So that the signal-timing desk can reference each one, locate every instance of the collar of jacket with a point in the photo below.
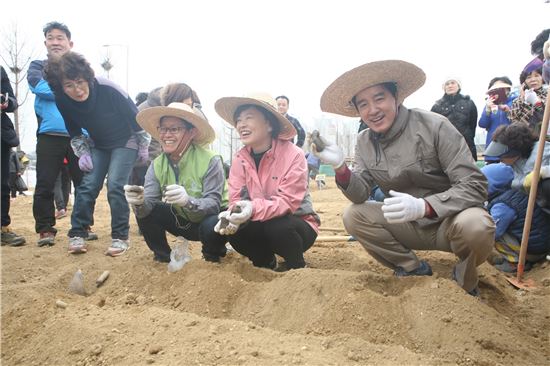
(270, 153)
(396, 128)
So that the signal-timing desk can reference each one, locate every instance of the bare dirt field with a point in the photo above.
(344, 309)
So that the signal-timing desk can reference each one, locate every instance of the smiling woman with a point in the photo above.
(108, 150)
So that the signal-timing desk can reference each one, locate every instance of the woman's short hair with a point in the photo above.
(70, 66)
(517, 136)
(524, 74)
(272, 120)
(177, 93)
(503, 79)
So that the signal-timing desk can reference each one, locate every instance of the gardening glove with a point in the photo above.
(224, 226)
(85, 163)
(332, 154)
(545, 172)
(546, 50)
(403, 207)
(143, 155)
(243, 216)
(531, 97)
(176, 195)
(134, 195)
(143, 141)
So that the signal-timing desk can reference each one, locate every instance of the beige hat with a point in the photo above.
(337, 97)
(149, 120)
(227, 106)
(499, 84)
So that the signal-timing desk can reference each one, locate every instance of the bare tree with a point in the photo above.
(16, 57)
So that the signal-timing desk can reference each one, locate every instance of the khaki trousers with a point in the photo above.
(468, 234)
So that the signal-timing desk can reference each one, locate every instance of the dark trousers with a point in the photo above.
(288, 236)
(62, 188)
(544, 189)
(5, 188)
(50, 152)
(163, 218)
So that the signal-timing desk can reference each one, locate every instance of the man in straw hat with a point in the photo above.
(422, 164)
(268, 183)
(189, 177)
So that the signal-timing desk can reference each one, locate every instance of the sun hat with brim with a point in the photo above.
(499, 84)
(149, 120)
(499, 150)
(227, 106)
(337, 98)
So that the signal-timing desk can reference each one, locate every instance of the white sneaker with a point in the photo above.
(77, 245)
(118, 247)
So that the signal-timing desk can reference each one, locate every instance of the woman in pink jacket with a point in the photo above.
(270, 209)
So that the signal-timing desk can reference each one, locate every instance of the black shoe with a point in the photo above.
(161, 259)
(12, 239)
(211, 258)
(423, 270)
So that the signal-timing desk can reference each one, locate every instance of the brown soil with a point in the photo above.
(344, 309)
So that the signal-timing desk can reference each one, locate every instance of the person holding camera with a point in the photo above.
(8, 104)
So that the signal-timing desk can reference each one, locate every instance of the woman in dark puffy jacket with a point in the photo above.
(460, 110)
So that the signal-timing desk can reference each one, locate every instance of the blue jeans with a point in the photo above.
(116, 164)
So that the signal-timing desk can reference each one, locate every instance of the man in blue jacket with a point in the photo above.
(53, 142)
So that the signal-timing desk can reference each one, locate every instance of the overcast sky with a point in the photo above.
(290, 47)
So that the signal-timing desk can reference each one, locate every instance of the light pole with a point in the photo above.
(107, 60)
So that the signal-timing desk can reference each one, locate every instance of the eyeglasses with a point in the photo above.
(80, 84)
(172, 130)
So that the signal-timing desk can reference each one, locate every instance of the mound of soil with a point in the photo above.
(344, 309)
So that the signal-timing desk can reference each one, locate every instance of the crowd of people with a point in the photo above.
(414, 184)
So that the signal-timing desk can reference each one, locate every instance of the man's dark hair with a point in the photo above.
(70, 66)
(56, 25)
(389, 86)
(538, 43)
(273, 122)
(503, 79)
(283, 97)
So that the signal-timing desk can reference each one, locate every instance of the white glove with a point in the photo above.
(332, 154)
(403, 207)
(226, 228)
(244, 215)
(134, 195)
(546, 49)
(531, 97)
(176, 195)
(545, 171)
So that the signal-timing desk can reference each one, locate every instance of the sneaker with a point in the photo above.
(12, 239)
(47, 238)
(118, 247)
(423, 270)
(59, 214)
(91, 235)
(77, 245)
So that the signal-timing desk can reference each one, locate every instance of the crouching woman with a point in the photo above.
(268, 182)
(185, 186)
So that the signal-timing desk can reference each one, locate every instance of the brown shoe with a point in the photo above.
(47, 238)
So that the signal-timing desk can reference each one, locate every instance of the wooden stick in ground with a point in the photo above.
(333, 238)
(533, 190)
(331, 229)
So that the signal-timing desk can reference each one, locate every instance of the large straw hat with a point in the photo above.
(149, 120)
(227, 106)
(337, 97)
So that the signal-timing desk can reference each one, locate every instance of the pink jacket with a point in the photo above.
(279, 187)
